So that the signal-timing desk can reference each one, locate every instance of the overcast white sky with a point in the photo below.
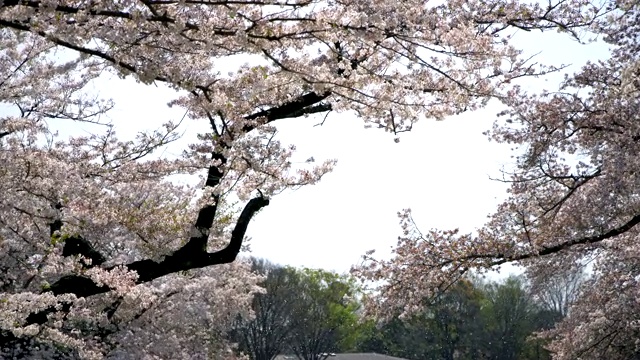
(441, 170)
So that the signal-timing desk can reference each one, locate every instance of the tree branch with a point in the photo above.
(77, 245)
(95, 12)
(300, 106)
(503, 258)
(182, 259)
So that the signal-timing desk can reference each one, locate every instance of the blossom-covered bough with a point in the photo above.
(96, 242)
(573, 201)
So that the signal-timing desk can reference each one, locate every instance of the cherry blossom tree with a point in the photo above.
(92, 231)
(573, 200)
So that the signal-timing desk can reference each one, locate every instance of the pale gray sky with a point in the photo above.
(440, 170)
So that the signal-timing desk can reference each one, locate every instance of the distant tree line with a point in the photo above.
(303, 312)
(308, 313)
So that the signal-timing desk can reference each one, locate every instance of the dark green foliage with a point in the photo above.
(263, 337)
(471, 321)
(306, 312)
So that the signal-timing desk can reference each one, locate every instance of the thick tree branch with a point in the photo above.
(503, 258)
(148, 270)
(96, 12)
(181, 260)
(206, 216)
(305, 104)
(593, 239)
(77, 245)
(300, 106)
(321, 107)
